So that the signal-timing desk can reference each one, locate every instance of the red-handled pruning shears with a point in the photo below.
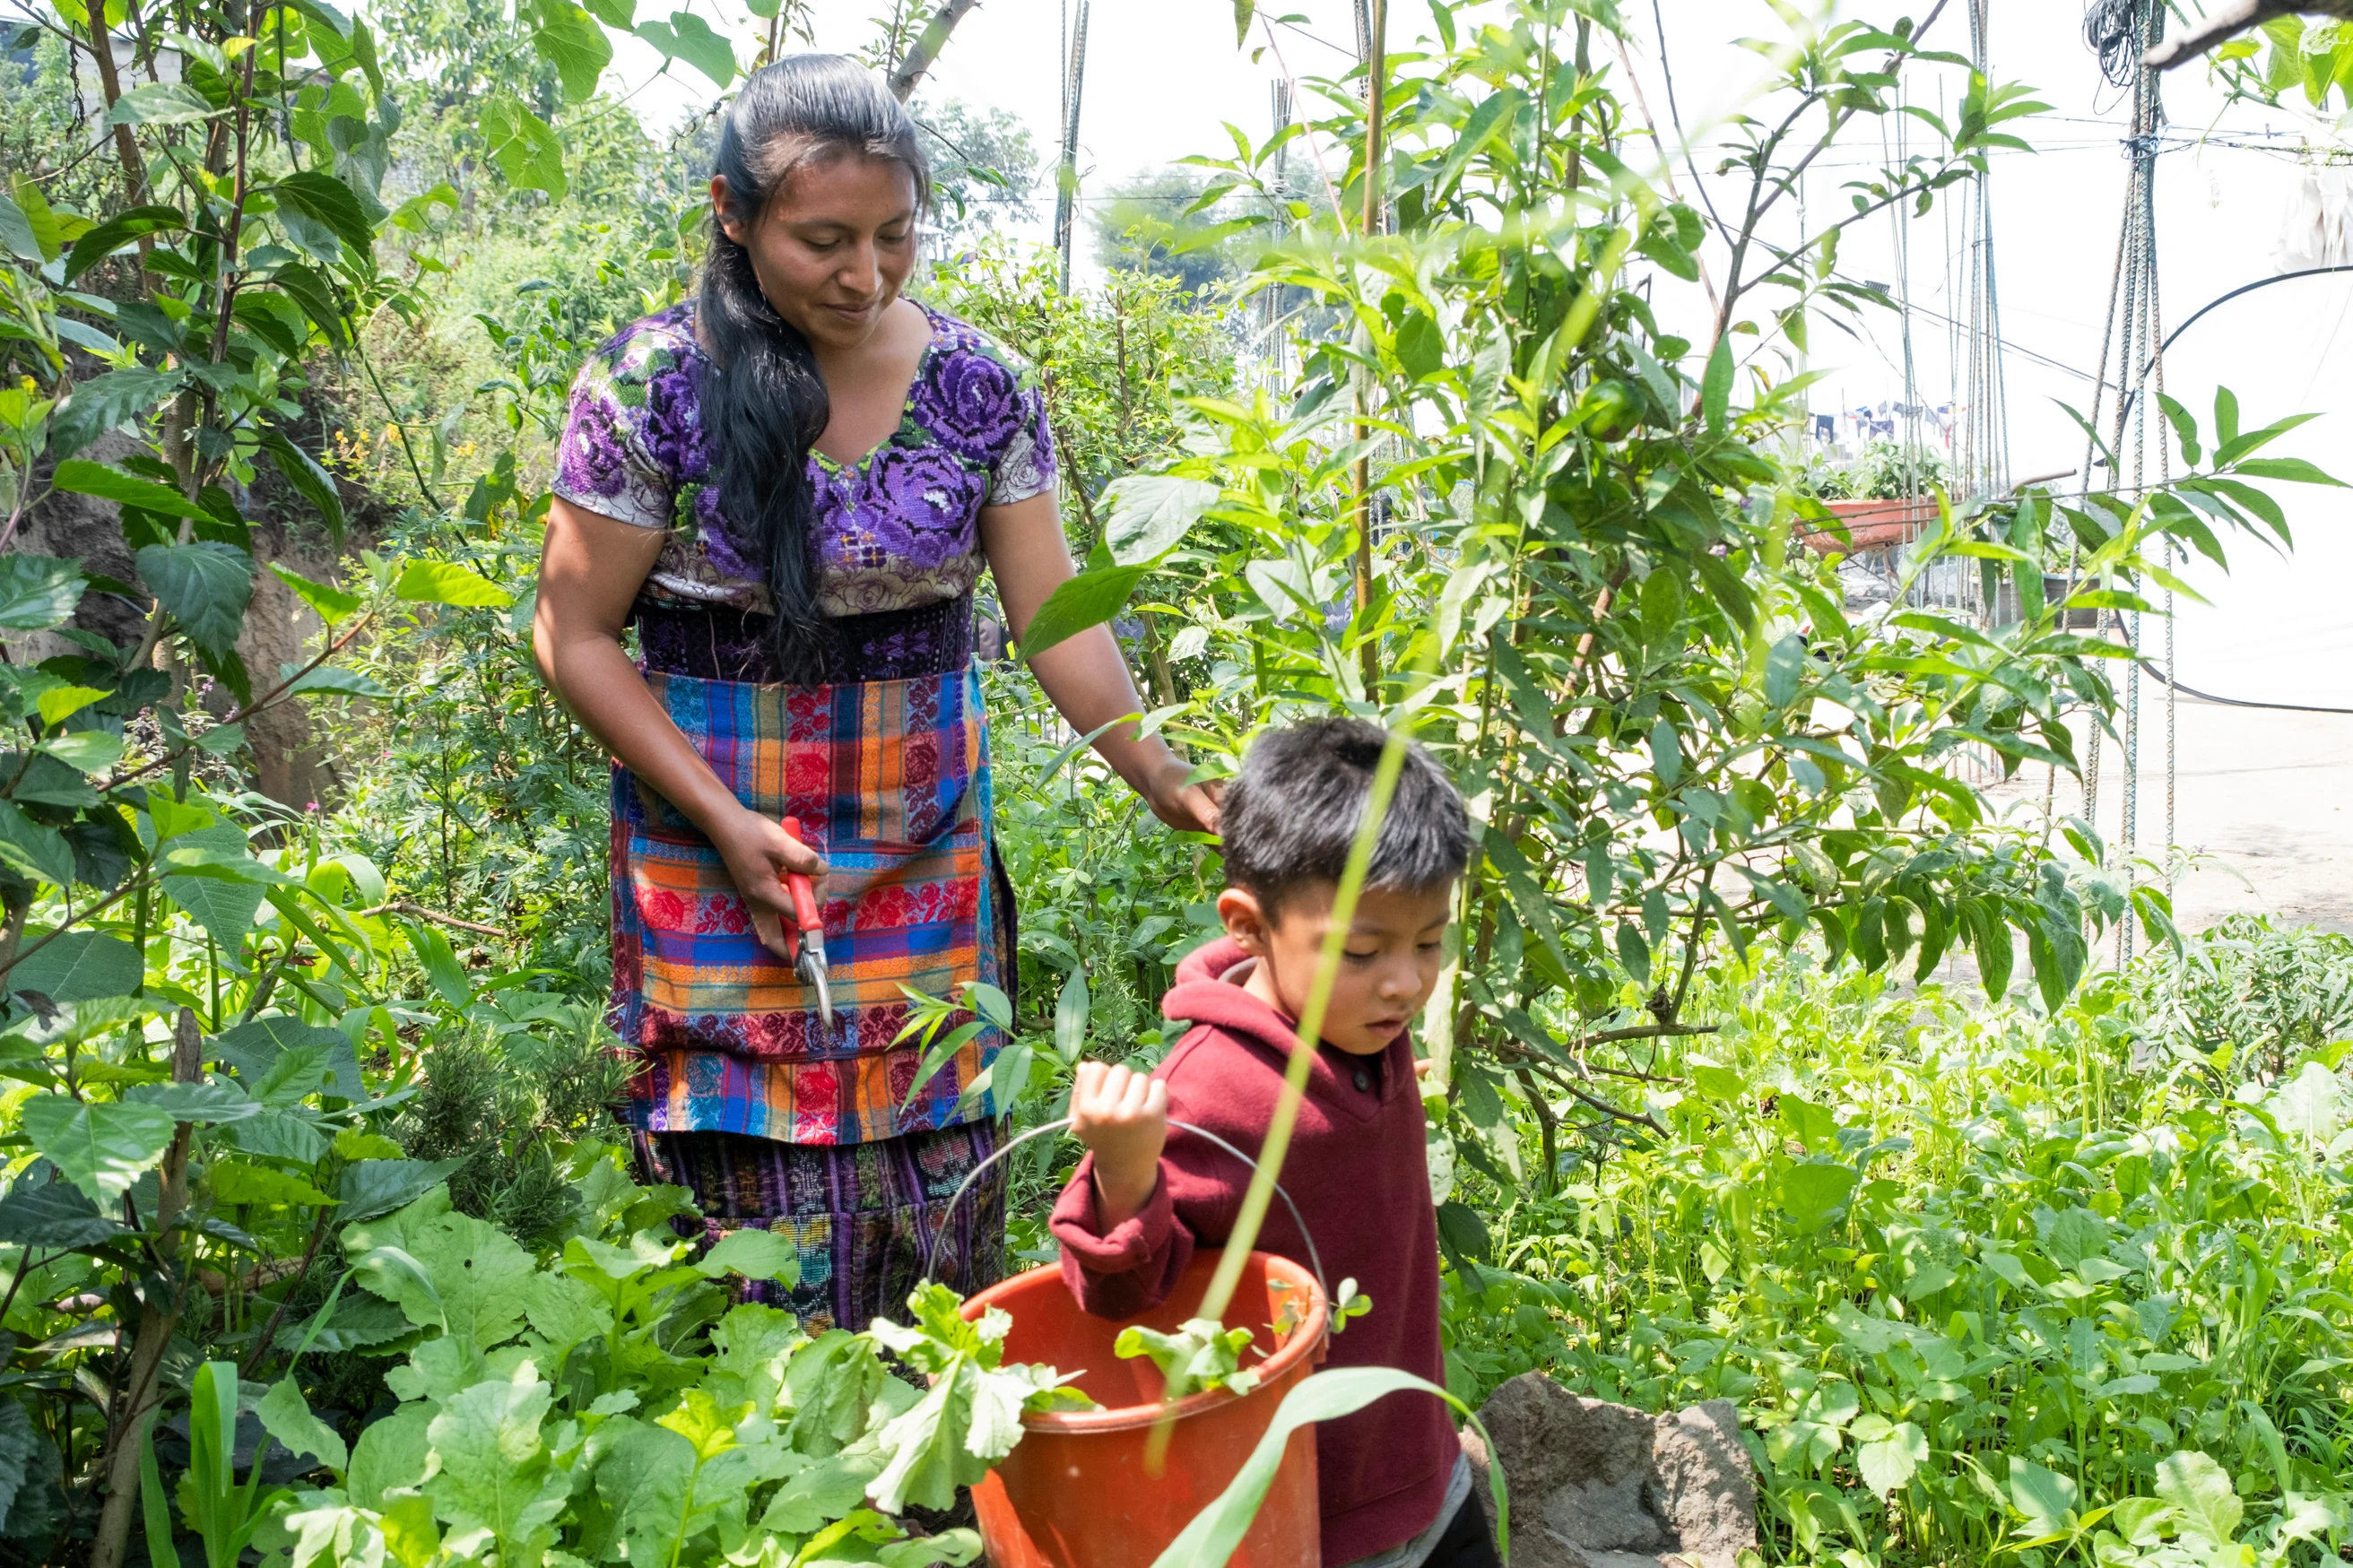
(804, 937)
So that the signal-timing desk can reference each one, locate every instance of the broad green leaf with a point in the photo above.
(277, 1133)
(755, 1254)
(1717, 1082)
(286, 1415)
(1211, 1538)
(827, 1387)
(473, 1274)
(97, 243)
(1886, 1464)
(687, 36)
(1089, 599)
(205, 584)
(447, 583)
(216, 1103)
(223, 908)
(49, 234)
(78, 967)
(21, 1451)
(39, 850)
(494, 1471)
(1785, 663)
(328, 682)
(568, 38)
(645, 1479)
(2201, 1493)
(127, 489)
(104, 402)
(16, 235)
(161, 103)
(2313, 1105)
(817, 1494)
(528, 153)
(1071, 1011)
(1150, 514)
(371, 1188)
(317, 486)
(100, 1146)
(391, 1454)
(1810, 1194)
(2045, 1496)
(91, 751)
(929, 1458)
(1666, 753)
(328, 202)
(447, 975)
(254, 1050)
(564, 1311)
(59, 703)
(38, 591)
(237, 1182)
(45, 1212)
(1716, 387)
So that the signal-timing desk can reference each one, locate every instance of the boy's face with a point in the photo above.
(1389, 962)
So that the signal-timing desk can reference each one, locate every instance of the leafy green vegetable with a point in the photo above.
(1203, 1353)
(971, 1416)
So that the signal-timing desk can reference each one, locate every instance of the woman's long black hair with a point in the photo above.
(766, 405)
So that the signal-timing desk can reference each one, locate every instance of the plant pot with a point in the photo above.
(1872, 524)
(1076, 1493)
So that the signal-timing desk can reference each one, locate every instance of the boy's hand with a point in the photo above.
(1122, 1116)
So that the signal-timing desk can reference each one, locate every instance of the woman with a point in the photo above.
(790, 485)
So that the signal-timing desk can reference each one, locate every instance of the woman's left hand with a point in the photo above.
(1188, 807)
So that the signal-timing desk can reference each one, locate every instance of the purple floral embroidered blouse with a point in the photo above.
(897, 530)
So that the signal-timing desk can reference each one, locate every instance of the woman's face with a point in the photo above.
(834, 245)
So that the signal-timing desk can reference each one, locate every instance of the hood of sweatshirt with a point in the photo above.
(1208, 989)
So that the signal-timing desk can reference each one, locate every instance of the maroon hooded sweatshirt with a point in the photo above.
(1357, 1171)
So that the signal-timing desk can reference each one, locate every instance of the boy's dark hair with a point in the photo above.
(1291, 816)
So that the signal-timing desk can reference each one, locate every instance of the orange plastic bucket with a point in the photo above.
(1074, 1493)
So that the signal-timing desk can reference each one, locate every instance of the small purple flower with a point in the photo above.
(590, 461)
(970, 403)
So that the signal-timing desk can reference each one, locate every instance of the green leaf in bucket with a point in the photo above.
(1202, 1353)
(1210, 1540)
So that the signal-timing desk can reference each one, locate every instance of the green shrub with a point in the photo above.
(1965, 1270)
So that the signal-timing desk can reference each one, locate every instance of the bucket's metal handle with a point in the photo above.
(1314, 1261)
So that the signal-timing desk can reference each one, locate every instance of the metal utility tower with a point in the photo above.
(1066, 179)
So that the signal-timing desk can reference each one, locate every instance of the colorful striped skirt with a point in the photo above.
(864, 1217)
(743, 1095)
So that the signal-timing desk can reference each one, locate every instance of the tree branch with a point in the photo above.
(909, 72)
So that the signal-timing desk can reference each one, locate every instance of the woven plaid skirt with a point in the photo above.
(865, 1218)
(743, 1095)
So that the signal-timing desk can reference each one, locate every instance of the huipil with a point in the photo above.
(1358, 1170)
(740, 1093)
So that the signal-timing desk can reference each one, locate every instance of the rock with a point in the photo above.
(1595, 1485)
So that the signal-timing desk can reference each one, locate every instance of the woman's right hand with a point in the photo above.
(758, 853)
(1122, 1116)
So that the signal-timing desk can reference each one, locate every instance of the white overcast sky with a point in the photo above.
(1163, 76)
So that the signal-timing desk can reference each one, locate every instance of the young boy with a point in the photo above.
(1394, 1491)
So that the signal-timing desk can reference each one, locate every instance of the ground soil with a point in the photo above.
(2260, 802)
